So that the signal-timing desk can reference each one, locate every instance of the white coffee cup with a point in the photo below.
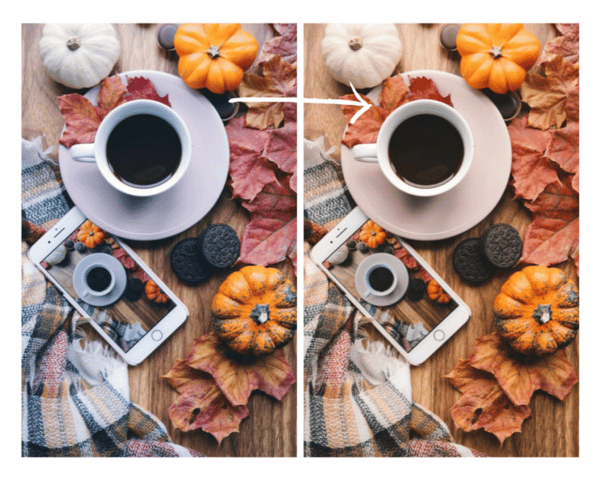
(96, 152)
(378, 152)
(88, 290)
(376, 292)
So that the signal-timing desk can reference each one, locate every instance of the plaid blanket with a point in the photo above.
(357, 398)
(75, 393)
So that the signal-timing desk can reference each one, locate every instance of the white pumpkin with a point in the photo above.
(57, 255)
(361, 54)
(79, 55)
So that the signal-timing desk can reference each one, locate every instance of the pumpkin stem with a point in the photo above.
(213, 51)
(260, 313)
(73, 43)
(355, 43)
(496, 52)
(543, 313)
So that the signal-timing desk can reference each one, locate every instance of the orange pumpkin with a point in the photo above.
(436, 293)
(154, 293)
(89, 234)
(214, 55)
(537, 310)
(372, 234)
(255, 310)
(496, 55)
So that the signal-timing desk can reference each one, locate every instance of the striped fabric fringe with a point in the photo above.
(74, 393)
(357, 398)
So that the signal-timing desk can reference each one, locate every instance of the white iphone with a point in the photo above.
(108, 284)
(392, 285)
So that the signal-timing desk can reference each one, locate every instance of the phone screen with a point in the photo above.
(390, 284)
(108, 285)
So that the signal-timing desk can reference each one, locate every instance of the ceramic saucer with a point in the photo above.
(109, 262)
(462, 207)
(396, 265)
(180, 207)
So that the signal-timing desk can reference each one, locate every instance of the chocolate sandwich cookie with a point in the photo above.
(219, 245)
(134, 289)
(187, 262)
(416, 289)
(502, 245)
(470, 263)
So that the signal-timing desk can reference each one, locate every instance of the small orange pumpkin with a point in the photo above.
(537, 310)
(436, 293)
(89, 234)
(154, 293)
(214, 55)
(496, 55)
(372, 234)
(255, 310)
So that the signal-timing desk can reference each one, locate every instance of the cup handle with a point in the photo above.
(366, 152)
(83, 152)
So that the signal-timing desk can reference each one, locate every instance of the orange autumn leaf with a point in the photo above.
(201, 404)
(563, 149)
(394, 93)
(549, 95)
(236, 375)
(483, 403)
(553, 235)
(519, 375)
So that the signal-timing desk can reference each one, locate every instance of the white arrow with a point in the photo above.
(261, 99)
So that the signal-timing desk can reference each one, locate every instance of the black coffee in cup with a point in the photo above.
(143, 150)
(98, 278)
(426, 150)
(380, 278)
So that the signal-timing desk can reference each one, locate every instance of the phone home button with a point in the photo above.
(157, 335)
(439, 335)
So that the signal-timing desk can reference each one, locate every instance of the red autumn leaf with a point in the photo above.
(278, 80)
(549, 95)
(553, 235)
(484, 404)
(403, 255)
(82, 117)
(250, 171)
(519, 375)
(394, 93)
(563, 149)
(566, 44)
(422, 88)
(238, 376)
(201, 403)
(270, 236)
(123, 257)
(531, 169)
(142, 276)
(284, 45)
(281, 149)
(140, 88)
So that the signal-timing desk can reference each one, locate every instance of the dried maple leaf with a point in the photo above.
(563, 149)
(250, 171)
(284, 45)
(142, 88)
(548, 95)
(270, 236)
(201, 403)
(567, 44)
(82, 117)
(531, 169)
(553, 235)
(394, 93)
(281, 149)
(519, 375)
(278, 80)
(123, 257)
(238, 376)
(484, 404)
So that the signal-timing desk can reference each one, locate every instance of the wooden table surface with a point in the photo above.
(553, 429)
(270, 430)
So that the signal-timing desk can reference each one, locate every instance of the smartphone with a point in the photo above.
(108, 284)
(392, 285)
